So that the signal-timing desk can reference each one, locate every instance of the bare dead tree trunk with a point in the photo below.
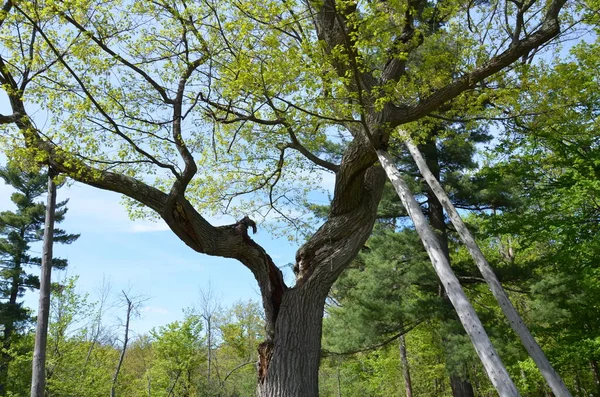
(405, 367)
(209, 347)
(104, 291)
(125, 341)
(209, 305)
(38, 376)
(461, 386)
(552, 378)
(494, 367)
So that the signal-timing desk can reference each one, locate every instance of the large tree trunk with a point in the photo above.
(552, 378)
(291, 360)
(38, 376)
(483, 346)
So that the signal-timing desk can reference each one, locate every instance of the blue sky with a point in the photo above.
(145, 258)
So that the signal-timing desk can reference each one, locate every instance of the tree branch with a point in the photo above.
(117, 130)
(160, 89)
(549, 28)
(9, 119)
(386, 342)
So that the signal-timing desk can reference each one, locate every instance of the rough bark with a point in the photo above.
(461, 387)
(516, 322)
(298, 330)
(38, 376)
(483, 346)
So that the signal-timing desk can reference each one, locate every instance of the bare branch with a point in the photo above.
(386, 342)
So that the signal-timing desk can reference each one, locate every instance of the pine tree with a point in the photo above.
(20, 229)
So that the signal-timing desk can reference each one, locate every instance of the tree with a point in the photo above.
(20, 229)
(552, 138)
(242, 106)
(132, 306)
(241, 333)
(448, 147)
(178, 348)
(38, 376)
(208, 307)
(79, 360)
(382, 297)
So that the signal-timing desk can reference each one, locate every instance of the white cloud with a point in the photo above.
(154, 310)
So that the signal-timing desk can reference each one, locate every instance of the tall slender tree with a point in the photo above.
(38, 373)
(450, 149)
(19, 229)
(554, 380)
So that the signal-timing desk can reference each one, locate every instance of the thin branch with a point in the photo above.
(99, 107)
(308, 154)
(327, 353)
(311, 113)
(548, 29)
(160, 89)
(235, 369)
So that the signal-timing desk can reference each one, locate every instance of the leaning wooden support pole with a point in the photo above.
(535, 351)
(492, 364)
(38, 376)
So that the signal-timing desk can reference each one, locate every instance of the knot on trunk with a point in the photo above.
(243, 224)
